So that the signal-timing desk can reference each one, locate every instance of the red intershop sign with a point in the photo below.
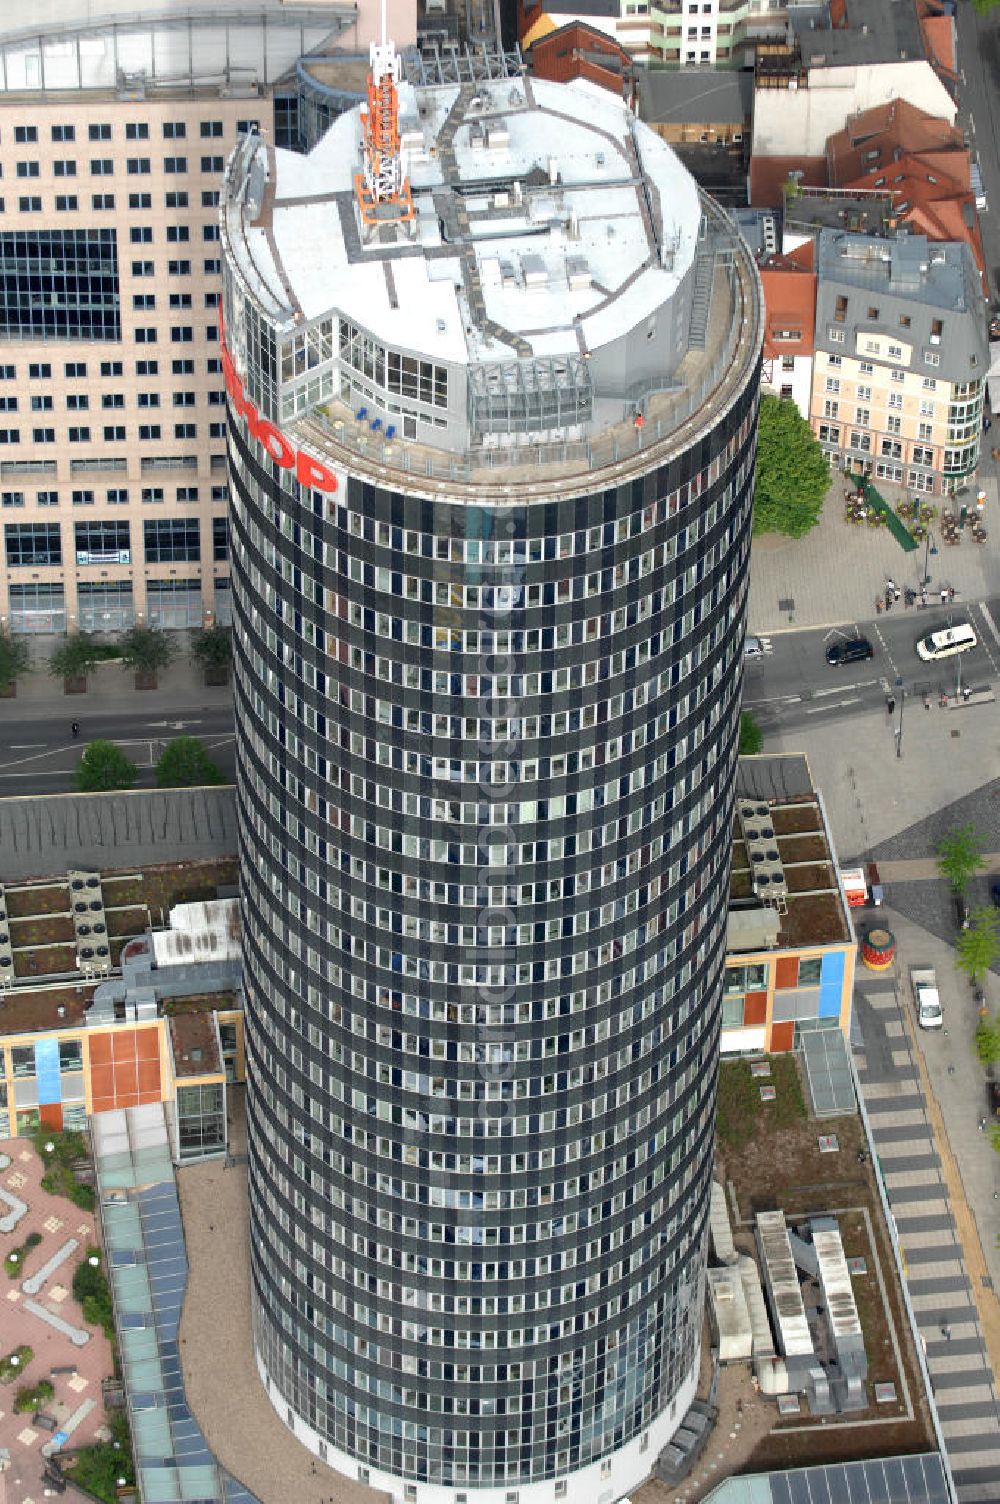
(308, 472)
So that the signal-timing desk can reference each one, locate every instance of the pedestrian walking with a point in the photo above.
(878, 605)
(944, 595)
(890, 705)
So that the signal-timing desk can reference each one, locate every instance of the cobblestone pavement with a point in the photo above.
(834, 573)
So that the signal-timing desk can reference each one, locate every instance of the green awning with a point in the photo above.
(896, 526)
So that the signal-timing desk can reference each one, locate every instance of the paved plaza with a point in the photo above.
(834, 573)
(76, 1367)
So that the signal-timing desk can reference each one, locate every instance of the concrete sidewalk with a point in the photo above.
(834, 573)
(110, 690)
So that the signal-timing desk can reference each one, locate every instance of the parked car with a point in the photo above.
(752, 647)
(946, 642)
(851, 650)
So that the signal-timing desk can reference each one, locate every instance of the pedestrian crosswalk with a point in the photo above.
(903, 1139)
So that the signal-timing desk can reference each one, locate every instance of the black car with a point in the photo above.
(851, 650)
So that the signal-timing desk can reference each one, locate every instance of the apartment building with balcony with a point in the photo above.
(114, 135)
(901, 359)
(681, 33)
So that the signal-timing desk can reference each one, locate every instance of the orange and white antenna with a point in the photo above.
(382, 187)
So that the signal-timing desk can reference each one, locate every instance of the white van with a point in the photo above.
(946, 642)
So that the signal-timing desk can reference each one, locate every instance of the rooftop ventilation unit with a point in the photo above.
(90, 925)
(767, 872)
(577, 273)
(535, 274)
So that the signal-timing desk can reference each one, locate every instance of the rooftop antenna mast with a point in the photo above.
(382, 187)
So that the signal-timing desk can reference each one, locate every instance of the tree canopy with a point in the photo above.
(146, 649)
(14, 659)
(792, 471)
(74, 657)
(212, 647)
(985, 6)
(103, 767)
(185, 764)
(978, 947)
(960, 856)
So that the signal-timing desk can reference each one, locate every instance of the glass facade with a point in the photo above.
(486, 753)
(59, 284)
(201, 1120)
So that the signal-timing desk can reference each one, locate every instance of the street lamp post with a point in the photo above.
(900, 689)
(930, 547)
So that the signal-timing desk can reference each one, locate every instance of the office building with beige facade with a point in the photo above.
(901, 359)
(114, 134)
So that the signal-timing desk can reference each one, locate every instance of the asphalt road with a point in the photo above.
(41, 756)
(794, 686)
(979, 115)
(791, 686)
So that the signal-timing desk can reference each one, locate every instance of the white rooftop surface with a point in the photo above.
(200, 932)
(732, 1316)
(841, 1305)
(591, 215)
(794, 1336)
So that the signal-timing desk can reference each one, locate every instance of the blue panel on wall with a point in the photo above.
(47, 1071)
(831, 984)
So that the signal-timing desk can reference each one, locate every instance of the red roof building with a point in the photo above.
(922, 162)
(581, 51)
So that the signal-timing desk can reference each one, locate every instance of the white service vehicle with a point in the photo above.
(930, 1014)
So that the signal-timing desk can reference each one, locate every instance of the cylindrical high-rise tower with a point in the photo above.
(491, 449)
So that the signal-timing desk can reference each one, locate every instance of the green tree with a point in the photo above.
(987, 1040)
(960, 856)
(104, 766)
(74, 657)
(751, 736)
(185, 764)
(792, 472)
(985, 6)
(212, 647)
(146, 649)
(978, 947)
(14, 659)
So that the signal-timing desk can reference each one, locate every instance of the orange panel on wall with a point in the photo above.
(100, 1048)
(50, 1115)
(126, 1083)
(782, 1037)
(123, 1045)
(755, 1009)
(149, 1081)
(786, 971)
(148, 1044)
(102, 1082)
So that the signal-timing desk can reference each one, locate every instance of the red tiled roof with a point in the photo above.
(789, 304)
(894, 129)
(768, 176)
(938, 32)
